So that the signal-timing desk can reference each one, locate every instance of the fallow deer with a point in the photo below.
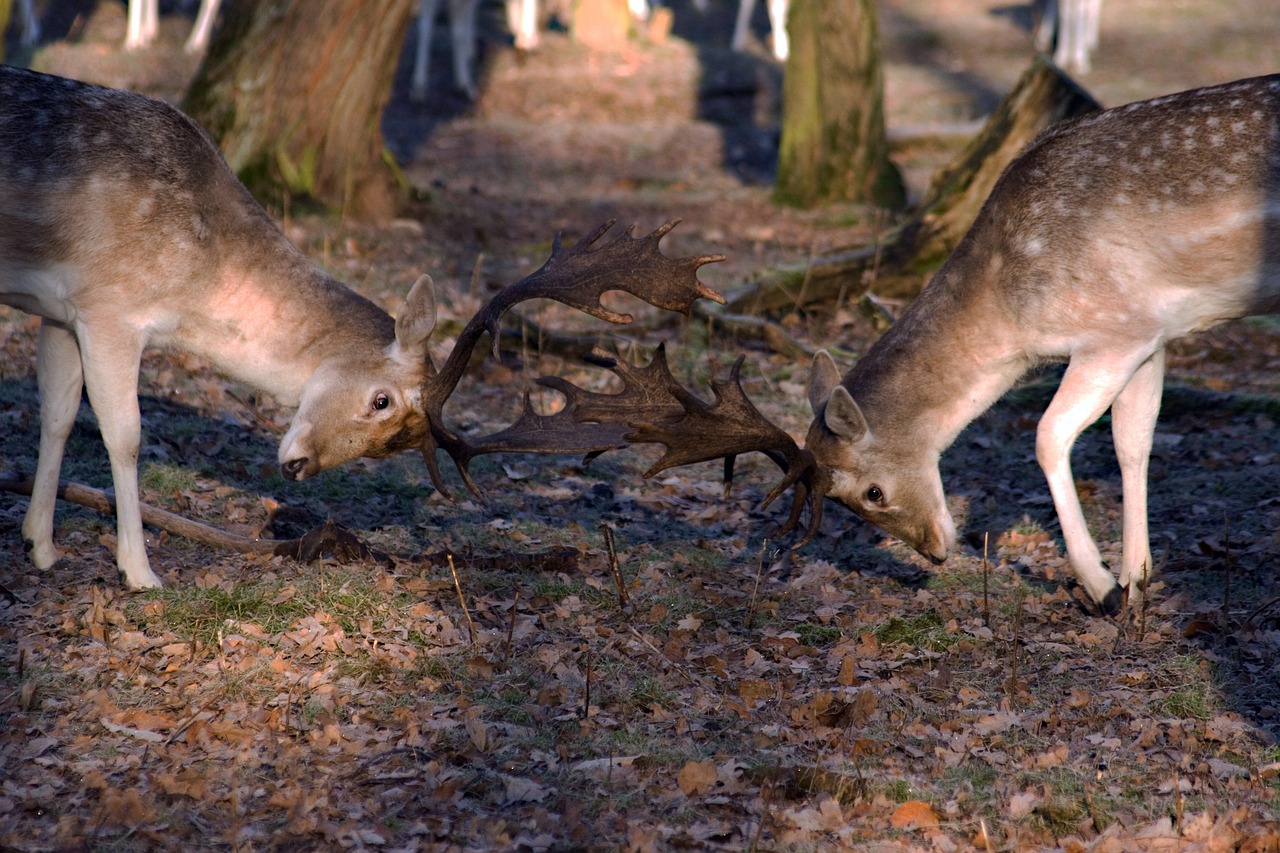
(122, 227)
(1068, 30)
(144, 25)
(1110, 236)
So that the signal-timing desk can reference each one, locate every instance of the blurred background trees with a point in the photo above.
(834, 146)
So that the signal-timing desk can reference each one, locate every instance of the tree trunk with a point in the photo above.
(293, 90)
(834, 146)
(898, 266)
(6, 12)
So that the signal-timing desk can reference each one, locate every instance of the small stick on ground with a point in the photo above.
(1142, 611)
(766, 809)
(1017, 640)
(586, 694)
(1178, 802)
(1226, 582)
(614, 568)
(986, 836)
(511, 626)
(986, 571)
(751, 605)
(471, 626)
(1098, 825)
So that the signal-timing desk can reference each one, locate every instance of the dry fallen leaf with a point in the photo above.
(914, 814)
(696, 777)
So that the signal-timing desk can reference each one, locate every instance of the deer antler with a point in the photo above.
(578, 277)
(659, 410)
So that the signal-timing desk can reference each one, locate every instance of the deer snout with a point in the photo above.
(296, 453)
(937, 540)
(294, 469)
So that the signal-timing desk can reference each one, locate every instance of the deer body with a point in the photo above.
(1107, 238)
(122, 227)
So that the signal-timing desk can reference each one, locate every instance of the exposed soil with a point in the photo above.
(846, 696)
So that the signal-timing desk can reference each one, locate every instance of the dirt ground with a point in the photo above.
(1011, 719)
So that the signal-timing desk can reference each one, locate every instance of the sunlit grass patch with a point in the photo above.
(166, 480)
(353, 600)
(922, 631)
(1189, 690)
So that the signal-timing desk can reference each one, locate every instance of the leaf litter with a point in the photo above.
(739, 696)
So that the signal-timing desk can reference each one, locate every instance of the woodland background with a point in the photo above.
(745, 696)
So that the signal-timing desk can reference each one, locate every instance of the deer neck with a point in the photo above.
(271, 318)
(951, 355)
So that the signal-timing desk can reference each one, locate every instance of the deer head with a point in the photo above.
(365, 404)
(894, 485)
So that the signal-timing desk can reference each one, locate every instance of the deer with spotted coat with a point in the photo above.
(122, 227)
(1110, 236)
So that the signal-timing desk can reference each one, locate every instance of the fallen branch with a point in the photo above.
(328, 538)
(899, 263)
(170, 522)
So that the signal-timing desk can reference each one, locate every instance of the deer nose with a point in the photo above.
(292, 469)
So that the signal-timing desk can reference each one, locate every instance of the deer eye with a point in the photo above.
(875, 495)
(381, 401)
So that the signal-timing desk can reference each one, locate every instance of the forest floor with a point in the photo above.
(847, 695)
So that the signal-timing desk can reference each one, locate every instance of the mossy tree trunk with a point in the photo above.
(834, 146)
(293, 90)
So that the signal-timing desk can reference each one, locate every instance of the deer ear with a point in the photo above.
(843, 417)
(417, 317)
(824, 376)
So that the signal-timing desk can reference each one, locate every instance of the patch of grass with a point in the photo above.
(818, 636)
(922, 631)
(900, 790)
(199, 612)
(1191, 701)
(647, 691)
(1191, 694)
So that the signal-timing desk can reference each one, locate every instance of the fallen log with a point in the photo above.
(897, 266)
(327, 538)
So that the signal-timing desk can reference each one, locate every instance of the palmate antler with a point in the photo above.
(659, 410)
(578, 277)
(652, 407)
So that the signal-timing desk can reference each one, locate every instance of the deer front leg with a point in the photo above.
(59, 378)
(1133, 425)
(111, 357)
(1089, 386)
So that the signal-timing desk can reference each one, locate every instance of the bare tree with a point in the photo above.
(834, 146)
(293, 90)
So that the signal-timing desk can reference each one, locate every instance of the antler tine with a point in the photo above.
(657, 409)
(578, 277)
(732, 426)
(535, 433)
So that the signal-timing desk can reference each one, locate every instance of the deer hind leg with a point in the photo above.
(742, 25)
(1090, 385)
(778, 24)
(59, 378)
(462, 30)
(111, 357)
(1133, 425)
(422, 51)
